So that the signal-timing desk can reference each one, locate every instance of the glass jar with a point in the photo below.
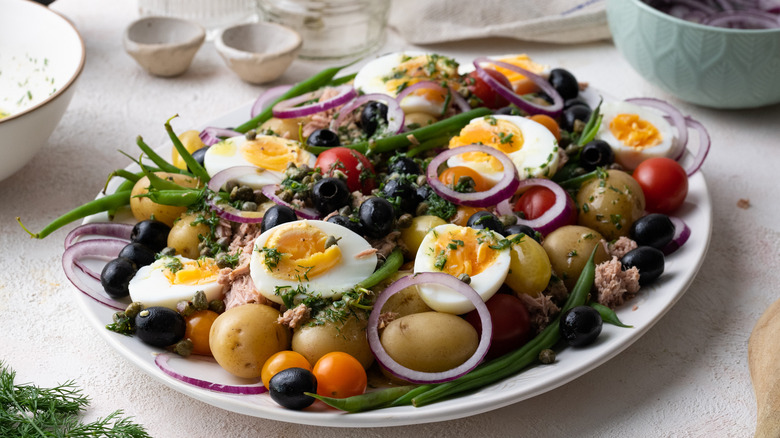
(331, 29)
(211, 14)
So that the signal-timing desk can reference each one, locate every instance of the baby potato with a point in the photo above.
(413, 235)
(611, 203)
(405, 302)
(144, 208)
(287, 128)
(191, 142)
(244, 337)
(419, 119)
(529, 268)
(569, 248)
(430, 341)
(349, 337)
(183, 236)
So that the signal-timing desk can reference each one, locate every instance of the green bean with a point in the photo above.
(342, 80)
(393, 262)
(429, 144)
(156, 159)
(592, 126)
(367, 401)
(105, 203)
(176, 198)
(406, 399)
(577, 181)
(608, 315)
(127, 185)
(192, 164)
(313, 83)
(159, 183)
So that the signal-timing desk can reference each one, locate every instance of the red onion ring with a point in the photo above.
(225, 210)
(267, 98)
(91, 248)
(562, 212)
(108, 229)
(398, 370)
(456, 99)
(704, 145)
(304, 213)
(162, 362)
(678, 120)
(211, 135)
(681, 235)
(288, 109)
(499, 192)
(531, 108)
(395, 115)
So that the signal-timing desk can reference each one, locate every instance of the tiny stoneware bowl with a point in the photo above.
(41, 58)
(705, 65)
(164, 46)
(258, 52)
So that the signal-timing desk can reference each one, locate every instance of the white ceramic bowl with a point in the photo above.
(41, 57)
(164, 46)
(258, 52)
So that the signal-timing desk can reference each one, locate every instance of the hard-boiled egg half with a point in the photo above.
(518, 80)
(269, 153)
(457, 250)
(175, 278)
(635, 133)
(390, 74)
(530, 145)
(315, 258)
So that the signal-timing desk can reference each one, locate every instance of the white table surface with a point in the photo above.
(688, 376)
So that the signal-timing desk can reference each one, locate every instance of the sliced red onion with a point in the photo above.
(681, 235)
(108, 229)
(108, 248)
(678, 120)
(562, 212)
(267, 98)
(745, 19)
(704, 145)
(531, 108)
(398, 370)
(504, 189)
(212, 135)
(302, 212)
(395, 115)
(225, 210)
(162, 362)
(288, 109)
(455, 99)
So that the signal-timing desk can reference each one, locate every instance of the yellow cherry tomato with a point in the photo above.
(280, 362)
(339, 375)
(192, 142)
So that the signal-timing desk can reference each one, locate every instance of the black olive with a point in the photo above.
(573, 113)
(116, 276)
(153, 234)
(564, 83)
(580, 326)
(372, 115)
(649, 261)
(323, 137)
(597, 153)
(159, 326)
(485, 220)
(287, 388)
(525, 229)
(655, 230)
(376, 215)
(579, 100)
(276, 215)
(329, 194)
(200, 155)
(408, 199)
(510, 110)
(346, 222)
(404, 166)
(139, 254)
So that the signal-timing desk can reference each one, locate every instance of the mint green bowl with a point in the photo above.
(709, 66)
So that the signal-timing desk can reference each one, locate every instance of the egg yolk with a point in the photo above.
(496, 133)
(421, 68)
(192, 272)
(272, 153)
(301, 250)
(522, 61)
(464, 251)
(635, 132)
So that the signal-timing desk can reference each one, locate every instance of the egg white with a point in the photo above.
(443, 299)
(330, 284)
(151, 287)
(625, 155)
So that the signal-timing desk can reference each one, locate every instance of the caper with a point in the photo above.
(547, 356)
(421, 180)
(306, 180)
(316, 177)
(133, 309)
(422, 208)
(118, 316)
(223, 260)
(217, 306)
(199, 300)
(249, 206)
(185, 308)
(286, 195)
(404, 221)
(464, 277)
(259, 197)
(332, 240)
(250, 135)
(183, 348)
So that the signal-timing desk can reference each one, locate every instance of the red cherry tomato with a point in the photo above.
(664, 183)
(511, 325)
(359, 171)
(535, 201)
(489, 97)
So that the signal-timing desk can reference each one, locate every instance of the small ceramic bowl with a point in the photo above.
(164, 46)
(258, 52)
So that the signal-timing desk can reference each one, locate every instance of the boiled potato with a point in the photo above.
(611, 203)
(430, 341)
(183, 236)
(407, 301)
(419, 119)
(315, 341)
(413, 235)
(529, 267)
(569, 248)
(287, 128)
(144, 208)
(244, 337)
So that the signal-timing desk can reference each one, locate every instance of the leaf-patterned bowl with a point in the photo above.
(705, 65)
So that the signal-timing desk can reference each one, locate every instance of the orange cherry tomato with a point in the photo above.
(453, 174)
(197, 330)
(462, 214)
(281, 361)
(549, 123)
(526, 86)
(339, 375)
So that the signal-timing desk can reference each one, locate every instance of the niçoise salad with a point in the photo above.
(426, 226)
